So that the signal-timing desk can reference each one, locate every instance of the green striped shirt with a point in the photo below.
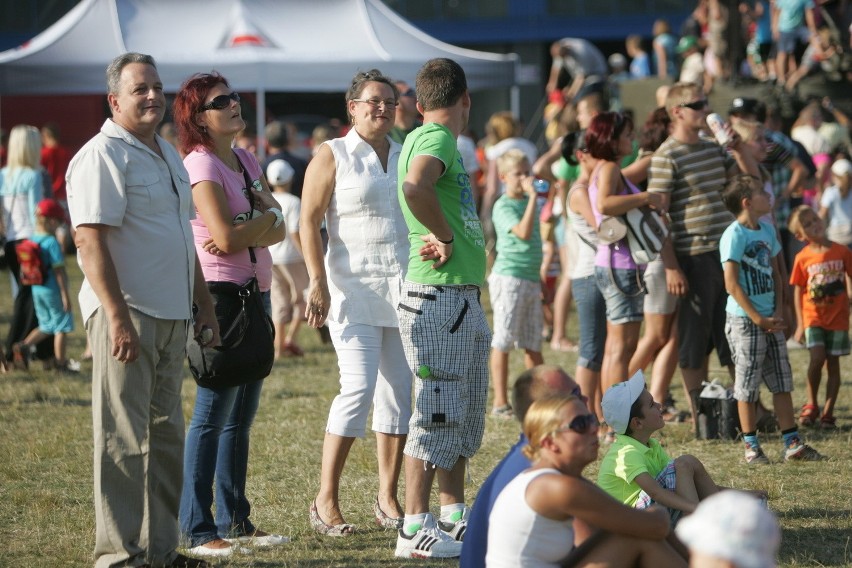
(694, 175)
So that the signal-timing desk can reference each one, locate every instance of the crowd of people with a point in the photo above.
(779, 42)
(382, 240)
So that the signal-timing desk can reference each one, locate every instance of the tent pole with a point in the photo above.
(260, 124)
(515, 100)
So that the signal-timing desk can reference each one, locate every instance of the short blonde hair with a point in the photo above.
(24, 147)
(747, 129)
(510, 159)
(541, 421)
(680, 93)
(794, 223)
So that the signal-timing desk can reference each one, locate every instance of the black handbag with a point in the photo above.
(247, 349)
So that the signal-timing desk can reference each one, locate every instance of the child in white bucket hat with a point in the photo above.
(731, 526)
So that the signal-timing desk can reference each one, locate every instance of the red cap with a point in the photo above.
(50, 208)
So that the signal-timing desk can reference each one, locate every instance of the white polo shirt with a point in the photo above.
(146, 201)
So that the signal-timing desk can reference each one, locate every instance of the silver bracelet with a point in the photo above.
(279, 216)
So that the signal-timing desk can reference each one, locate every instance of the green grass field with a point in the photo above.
(46, 467)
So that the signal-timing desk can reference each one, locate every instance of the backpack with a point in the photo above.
(32, 266)
(717, 413)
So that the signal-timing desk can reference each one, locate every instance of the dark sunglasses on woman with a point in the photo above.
(221, 102)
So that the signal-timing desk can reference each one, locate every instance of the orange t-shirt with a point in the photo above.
(822, 278)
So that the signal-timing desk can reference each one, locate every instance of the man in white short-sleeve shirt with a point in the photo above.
(130, 202)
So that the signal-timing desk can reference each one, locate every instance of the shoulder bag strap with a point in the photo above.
(251, 203)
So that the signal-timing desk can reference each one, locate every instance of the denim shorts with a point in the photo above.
(788, 41)
(591, 315)
(621, 293)
(658, 300)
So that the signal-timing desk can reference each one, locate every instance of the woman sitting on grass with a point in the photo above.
(534, 521)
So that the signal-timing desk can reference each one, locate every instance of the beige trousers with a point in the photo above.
(138, 442)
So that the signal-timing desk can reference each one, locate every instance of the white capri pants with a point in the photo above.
(373, 369)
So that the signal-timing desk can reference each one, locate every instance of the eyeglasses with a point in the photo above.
(221, 102)
(582, 424)
(378, 103)
(700, 104)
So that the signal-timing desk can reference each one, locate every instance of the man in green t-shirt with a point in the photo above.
(441, 321)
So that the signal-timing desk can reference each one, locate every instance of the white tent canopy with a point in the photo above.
(259, 45)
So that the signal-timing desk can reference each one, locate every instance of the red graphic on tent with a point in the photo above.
(244, 32)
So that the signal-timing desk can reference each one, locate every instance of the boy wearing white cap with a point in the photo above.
(636, 469)
(731, 530)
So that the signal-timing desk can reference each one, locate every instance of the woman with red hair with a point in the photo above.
(609, 139)
(236, 219)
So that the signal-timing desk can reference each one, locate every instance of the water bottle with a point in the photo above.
(719, 128)
(541, 186)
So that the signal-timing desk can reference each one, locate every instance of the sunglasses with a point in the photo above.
(700, 104)
(221, 102)
(582, 424)
(408, 93)
(378, 103)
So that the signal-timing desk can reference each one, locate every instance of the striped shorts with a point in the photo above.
(446, 339)
(758, 355)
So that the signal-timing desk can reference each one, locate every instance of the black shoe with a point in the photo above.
(182, 561)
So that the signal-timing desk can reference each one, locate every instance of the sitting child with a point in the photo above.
(636, 470)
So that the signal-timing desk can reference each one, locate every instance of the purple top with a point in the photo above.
(619, 253)
(204, 165)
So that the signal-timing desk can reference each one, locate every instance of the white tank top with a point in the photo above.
(520, 537)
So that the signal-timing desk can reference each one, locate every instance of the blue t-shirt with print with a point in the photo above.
(51, 257)
(753, 250)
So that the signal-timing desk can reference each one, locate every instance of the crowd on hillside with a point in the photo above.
(380, 233)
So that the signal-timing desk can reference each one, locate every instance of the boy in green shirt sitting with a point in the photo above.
(636, 469)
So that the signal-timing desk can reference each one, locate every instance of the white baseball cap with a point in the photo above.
(279, 172)
(841, 167)
(618, 399)
(734, 526)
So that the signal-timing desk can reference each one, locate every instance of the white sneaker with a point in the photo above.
(456, 530)
(428, 542)
(260, 541)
